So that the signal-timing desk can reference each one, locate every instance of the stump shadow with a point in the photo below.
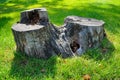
(103, 52)
(24, 67)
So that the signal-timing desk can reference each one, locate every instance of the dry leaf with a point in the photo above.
(86, 77)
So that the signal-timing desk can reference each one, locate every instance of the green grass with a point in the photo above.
(100, 66)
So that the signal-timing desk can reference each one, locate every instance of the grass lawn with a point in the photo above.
(99, 65)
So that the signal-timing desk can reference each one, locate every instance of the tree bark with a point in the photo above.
(86, 32)
(37, 37)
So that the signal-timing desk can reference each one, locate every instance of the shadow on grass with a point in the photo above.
(105, 51)
(24, 67)
(9, 6)
(12, 6)
(10, 9)
(4, 21)
(3, 1)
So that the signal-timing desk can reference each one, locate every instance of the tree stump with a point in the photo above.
(31, 34)
(84, 33)
(37, 37)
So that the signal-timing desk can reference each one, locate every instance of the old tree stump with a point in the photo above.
(36, 36)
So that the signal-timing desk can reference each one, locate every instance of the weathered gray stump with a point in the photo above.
(37, 37)
(84, 33)
(31, 36)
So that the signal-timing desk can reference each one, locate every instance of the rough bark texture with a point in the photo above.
(84, 32)
(37, 37)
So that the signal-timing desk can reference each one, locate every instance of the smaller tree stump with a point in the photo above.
(31, 39)
(85, 33)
